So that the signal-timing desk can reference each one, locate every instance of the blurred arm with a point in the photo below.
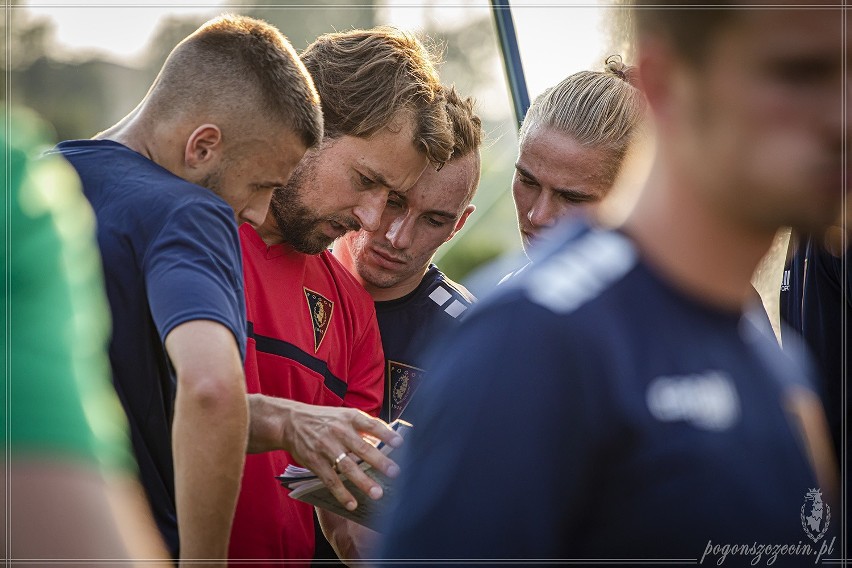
(351, 541)
(79, 513)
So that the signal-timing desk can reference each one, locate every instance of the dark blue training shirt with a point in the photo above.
(815, 302)
(171, 254)
(588, 410)
(408, 325)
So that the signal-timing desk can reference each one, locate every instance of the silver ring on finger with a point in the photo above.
(337, 460)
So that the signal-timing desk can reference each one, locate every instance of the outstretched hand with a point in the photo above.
(316, 436)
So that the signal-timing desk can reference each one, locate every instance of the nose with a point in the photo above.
(400, 232)
(255, 210)
(543, 212)
(369, 209)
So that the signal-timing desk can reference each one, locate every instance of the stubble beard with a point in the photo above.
(297, 224)
(213, 182)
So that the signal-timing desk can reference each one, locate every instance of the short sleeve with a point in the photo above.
(193, 271)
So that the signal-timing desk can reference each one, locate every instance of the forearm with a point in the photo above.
(351, 541)
(135, 521)
(209, 444)
(268, 417)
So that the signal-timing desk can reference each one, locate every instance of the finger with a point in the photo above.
(349, 437)
(367, 452)
(329, 477)
(366, 424)
(360, 479)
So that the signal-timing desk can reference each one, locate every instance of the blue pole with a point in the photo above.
(511, 57)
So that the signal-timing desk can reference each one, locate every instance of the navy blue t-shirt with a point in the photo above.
(408, 325)
(171, 254)
(589, 410)
(815, 300)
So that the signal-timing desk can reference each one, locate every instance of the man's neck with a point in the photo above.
(158, 143)
(395, 292)
(344, 255)
(706, 253)
(269, 232)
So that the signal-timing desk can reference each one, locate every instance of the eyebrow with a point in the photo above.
(379, 178)
(574, 194)
(446, 214)
(437, 212)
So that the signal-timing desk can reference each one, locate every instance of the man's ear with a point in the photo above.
(203, 146)
(462, 220)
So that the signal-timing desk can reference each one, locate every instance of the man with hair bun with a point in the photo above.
(572, 144)
(227, 119)
(312, 329)
(615, 402)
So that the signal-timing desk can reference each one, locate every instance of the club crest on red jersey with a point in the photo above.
(321, 309)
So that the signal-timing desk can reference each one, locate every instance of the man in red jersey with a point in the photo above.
(312, 330)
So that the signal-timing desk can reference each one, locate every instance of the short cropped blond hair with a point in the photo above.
(243, 71)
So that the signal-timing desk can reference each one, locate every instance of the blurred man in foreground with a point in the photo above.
(71, 481)
(624, 407)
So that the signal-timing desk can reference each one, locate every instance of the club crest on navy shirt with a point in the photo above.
(402, 381)
(321, 309)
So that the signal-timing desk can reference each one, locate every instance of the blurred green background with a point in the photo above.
(83, 67)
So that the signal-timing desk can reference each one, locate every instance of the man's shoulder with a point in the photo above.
(514, 274)
(437, 296)
(117, 178)
(103, 163)
(435, 279)
(581, 269)
(458, 291)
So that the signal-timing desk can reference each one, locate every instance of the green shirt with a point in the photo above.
(58, 399)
